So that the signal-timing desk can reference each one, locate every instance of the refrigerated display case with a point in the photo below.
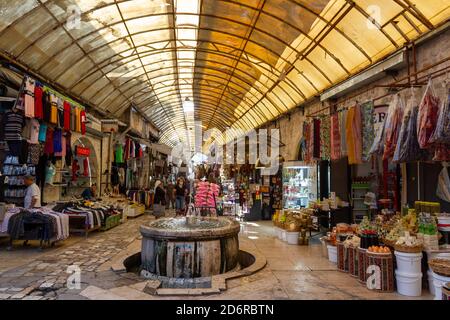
(299, 184)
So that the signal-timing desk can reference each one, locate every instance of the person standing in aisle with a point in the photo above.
(32, 194)
(159, 200)
(180, 192)
(170, 195)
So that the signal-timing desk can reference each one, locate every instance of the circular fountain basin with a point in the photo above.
(190, 247)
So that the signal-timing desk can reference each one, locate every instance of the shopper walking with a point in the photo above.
(159, 200)
(170, 195)
(180, 193)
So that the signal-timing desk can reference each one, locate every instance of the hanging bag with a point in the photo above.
(443, 187)
(427, 117)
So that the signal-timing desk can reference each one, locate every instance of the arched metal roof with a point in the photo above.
(242, 62)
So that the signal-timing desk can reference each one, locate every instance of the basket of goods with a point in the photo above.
(368, 234)
(292, 223)
(342, 257)
(351, 245)
(381, 256)
(440, 266)
(408, 244)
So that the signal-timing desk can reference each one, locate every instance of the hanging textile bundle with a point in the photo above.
(325, 124)
(393, 123)
(441, 135)
(427, 118)
(342, 125)
(368, 129)
(316, 139)
(353, 134)
(443, 187)
(335, 137)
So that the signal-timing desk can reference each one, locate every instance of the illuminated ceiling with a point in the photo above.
(240, 62)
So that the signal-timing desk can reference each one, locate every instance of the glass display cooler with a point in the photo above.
(299, 184)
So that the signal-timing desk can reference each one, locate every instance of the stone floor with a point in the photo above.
(292, 272)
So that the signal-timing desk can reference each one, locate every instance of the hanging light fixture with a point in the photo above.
(188, 105)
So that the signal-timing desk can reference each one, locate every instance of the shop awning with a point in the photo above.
(241, 62)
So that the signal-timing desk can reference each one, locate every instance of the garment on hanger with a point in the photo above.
(49, 145)
(86, 167)
(83, 120)
(75, 168)
(14, 123)
(34, 152)
(316, 137)
(38, 107)
(53, 109)
(368, 129)
(335, 137)
(46, 106)
(67, 116)
(342, 130)
(62, 153)
(50, 172)
(57, 141)
(31, 131)
(325, 142)
(69, 154)
(77, 119)
(118, 153)
(29, 97)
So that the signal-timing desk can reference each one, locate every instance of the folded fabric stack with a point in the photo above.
(206, 194)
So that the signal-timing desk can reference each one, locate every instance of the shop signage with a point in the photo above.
(82, 151)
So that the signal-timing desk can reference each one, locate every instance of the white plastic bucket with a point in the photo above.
(430, 281)
(276, 231)
(438, 282)
(409, 263)
(283, 235)
(324, 247)
(332, 253)
(279, 233)
(409, 284)
(292, 237)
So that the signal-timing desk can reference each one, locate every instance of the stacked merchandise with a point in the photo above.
(38, 224)
(38, 127)
(86, 216)
(205, 197)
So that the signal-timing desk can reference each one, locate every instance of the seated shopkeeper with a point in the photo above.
(89, 193)
(32, 194)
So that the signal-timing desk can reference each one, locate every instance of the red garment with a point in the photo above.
(66, 116)
(75, 168)
(48, 148)
(83, 122)
(127, 149)
(85, 167)
(335, 137)
(38, 109)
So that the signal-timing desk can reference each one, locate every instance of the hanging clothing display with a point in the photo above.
(77, 119)
(29, 97)
(335, 138)
(427, 117)
(47, 106)
(34, 153)
(353, 135)
(68, 149)
(83, 122)
(393, 124)
(14, 123)
(62, 153)
(342, 125)
(57, 141)
(325, 142)
(66, 111)
(316, 138)
(38, 107)
(50, 172)
(53, 109)
(118, 153)
(48, 148)
(368, 129)
(31, 131)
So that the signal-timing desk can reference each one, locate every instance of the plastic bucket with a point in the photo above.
(332, 253)
(430, 281)
(279, 233)
(438, 282)
(283, 235)
(409, 263)
(276, 231)
(292, 237)
(409, 284)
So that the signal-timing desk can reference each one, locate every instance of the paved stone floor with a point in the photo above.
(292, 272)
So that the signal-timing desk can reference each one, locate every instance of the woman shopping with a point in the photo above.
(159, 200)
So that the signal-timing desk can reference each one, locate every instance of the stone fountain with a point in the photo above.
(190, 247)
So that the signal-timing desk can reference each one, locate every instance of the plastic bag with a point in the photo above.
(442, 132)
(393, 123)
(443, 187)
(427, 117)
(403, 135)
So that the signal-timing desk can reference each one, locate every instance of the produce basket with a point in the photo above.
(385, 262)
(342, 257)
(408, 249)
(353, 261)
(440, 266)
(362, 264)
(388, 243)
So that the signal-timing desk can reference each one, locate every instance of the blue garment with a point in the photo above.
(87, 194)
(42, 132)
(57, 141)
(179, 202)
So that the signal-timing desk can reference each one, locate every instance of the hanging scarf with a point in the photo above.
(368, 130)
(342, 126)
(335, 137)
(316, 139)
(325, 124)
(353, 135)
